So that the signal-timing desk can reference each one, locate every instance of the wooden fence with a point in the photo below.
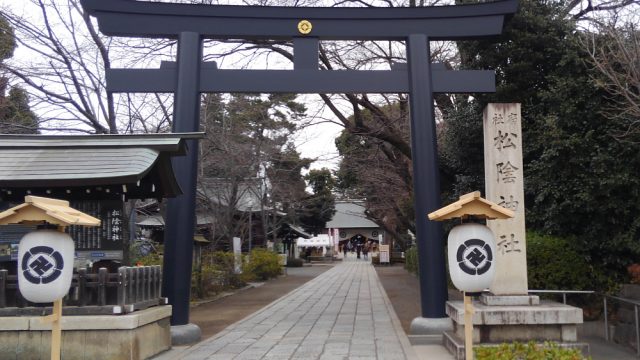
(130, 289)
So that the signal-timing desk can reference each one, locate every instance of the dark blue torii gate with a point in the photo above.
(190, 24)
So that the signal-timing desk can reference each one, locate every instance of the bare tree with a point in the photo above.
(62, 63)
(584, 9)
(386, 171)
(615, 53)
(379, 172)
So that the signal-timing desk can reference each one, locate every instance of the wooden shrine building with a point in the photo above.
(97, 174)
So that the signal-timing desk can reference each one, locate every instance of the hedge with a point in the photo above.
(529, 351)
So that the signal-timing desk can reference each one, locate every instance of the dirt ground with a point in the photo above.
(402, 288)
(213, 317)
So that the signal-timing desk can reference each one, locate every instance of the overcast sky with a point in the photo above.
(316, 141)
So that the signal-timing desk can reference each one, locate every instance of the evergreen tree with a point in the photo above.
(7, 39)
(579, 181)
(319, 207)
(15, 115)
(287, 183)
(461, 150)
(249, 164)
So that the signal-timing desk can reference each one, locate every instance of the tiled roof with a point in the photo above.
(350, 215)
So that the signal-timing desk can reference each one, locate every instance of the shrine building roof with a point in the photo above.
(90, 166)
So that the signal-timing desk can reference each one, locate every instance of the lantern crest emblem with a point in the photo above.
(474, 256)
(41, 265)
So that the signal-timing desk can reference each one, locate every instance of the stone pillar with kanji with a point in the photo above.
(504, 185)
(508, 313)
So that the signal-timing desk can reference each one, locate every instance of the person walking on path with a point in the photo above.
(358, 249)
(365, 251)
(344, 250)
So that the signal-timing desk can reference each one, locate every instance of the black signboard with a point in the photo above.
(105, 241)
(109, 235)
(10, 236)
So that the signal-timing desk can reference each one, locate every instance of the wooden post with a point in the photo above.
(122, 286)
(468, 327)
(3, 287)
(56, 323)
(56, 329)
(82, 285)
(103, 278)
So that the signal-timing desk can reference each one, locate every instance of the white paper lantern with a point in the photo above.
(471, 257)
(45, 265)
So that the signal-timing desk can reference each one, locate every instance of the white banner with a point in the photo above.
(384, 254)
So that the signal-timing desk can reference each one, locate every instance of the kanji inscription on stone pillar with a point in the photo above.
(504, 185)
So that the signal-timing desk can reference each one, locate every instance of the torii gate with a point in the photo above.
(190, 24)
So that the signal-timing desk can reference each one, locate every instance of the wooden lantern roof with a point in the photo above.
(36, 210)
(471, 204)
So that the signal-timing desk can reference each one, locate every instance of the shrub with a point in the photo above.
(293, 262)
(224, 263)
(634, 273)
(151, 258)
(217, 274)
(529, 351)
(553, 263)
(262, 265)
(411, 260)
(206, 282)
(398, 259)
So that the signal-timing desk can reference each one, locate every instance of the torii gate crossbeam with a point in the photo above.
(190, 24)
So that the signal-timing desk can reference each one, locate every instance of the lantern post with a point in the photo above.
(470, 253)
(45, 256)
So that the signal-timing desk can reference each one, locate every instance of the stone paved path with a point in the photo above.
(341, 314)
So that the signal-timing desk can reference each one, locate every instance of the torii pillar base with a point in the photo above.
(427, 331)
(185, 334)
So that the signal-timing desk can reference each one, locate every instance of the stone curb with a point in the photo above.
(395, 321)
(225, 294)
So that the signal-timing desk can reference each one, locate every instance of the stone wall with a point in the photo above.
(625, 329)
(136, 336)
